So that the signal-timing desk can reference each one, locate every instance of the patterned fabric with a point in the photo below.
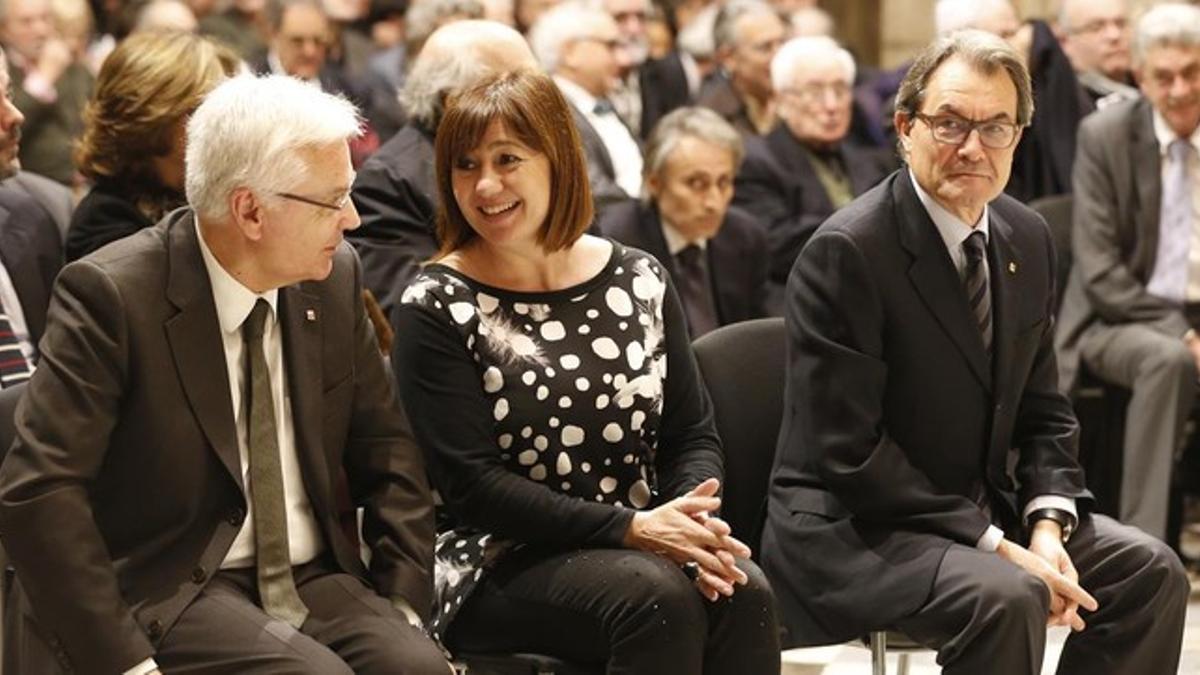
(574, 380)
(14, 367)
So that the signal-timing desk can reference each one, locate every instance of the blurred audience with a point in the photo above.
(1095, 36)
(804, 169)
(166, 15)
(527, 12)
(747, 34)
(716, 255)
(243, 26)
(1133, 299)
(395, 192)
(811, 22)
(135, 133)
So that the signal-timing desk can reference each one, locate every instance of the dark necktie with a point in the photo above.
(603, 107)
(976, 282)
(14, 368)
(276, 586)
(695, 290)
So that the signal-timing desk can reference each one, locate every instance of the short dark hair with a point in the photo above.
(530, 107)
(985, 53)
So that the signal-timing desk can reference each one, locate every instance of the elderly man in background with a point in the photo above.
(395, 189)
(209, 394)
(1133, 299)
(716, 255)
(799, 174)
(1095, 36)
(747, 35)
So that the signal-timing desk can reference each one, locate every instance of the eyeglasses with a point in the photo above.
(335, 206)
(818, 91)
(954, 130)
(1097, 25)
(609, 43)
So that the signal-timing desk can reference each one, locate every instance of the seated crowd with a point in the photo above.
(453, 255)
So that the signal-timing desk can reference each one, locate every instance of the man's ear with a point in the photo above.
(903, 124)
(247, 213)
(653, 186)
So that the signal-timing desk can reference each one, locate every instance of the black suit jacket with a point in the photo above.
(778, 185)
(895, 415)
(664, 88)
(737, 255)
(105, 215)
(123, 492)
(31, 250)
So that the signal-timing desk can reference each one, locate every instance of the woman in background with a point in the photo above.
(549, 376)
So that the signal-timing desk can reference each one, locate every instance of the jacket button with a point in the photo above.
(154, 629)
(199, 575)
(235, 516)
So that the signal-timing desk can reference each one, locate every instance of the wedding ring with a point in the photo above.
(691, 570)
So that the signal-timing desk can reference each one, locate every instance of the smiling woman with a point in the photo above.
(577, 469)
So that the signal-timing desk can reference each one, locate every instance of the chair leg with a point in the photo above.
(902, 666)
(878, 652)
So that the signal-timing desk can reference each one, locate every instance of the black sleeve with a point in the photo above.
(452, 420)
(689, 450)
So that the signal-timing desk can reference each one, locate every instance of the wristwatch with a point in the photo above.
(1065, 520)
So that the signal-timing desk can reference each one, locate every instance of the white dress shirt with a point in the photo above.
(954, 232)
(1165, 135)
(622, 149)
(16, 317)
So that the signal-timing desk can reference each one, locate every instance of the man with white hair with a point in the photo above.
(395, 191)
(747, 35)
(1095, 36)
(579, 48)
(1133, 298)
(210, 395)
(799, 174)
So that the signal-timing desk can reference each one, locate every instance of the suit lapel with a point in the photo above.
(1004, 263)
(300, 318)
(1147, 167)
(18, 258)
(194, 335)
(935, 279)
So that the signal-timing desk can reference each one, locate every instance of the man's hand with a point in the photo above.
(1046, 543)
(1192, 340)
(1066, 595)
(53, 60)
(682, 531)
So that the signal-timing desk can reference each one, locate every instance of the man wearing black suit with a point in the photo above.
(395, 189)
(804, 170)
(926, 477)
(210, 393)
(716, 255)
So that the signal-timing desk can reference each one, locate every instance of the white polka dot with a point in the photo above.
(624, 325)
(564, 402)
(569, 361)
(487, 303)
(462, 312)
(572, 436)
(618, 301)
(493, 381)
(608, 484)
(636, 419)
(526, 432)
(542, 392)
(527, 328)
(593, 313)
(470, 341)
(538, 472)
(566, 485)
(613, 432)
(549, 372)
(520, 308)
(620, 380)
(585, 467)
(563, 465)
(585, 329)
(601, 401)
(639, 494)
(624, 402)
(448, 289)
(523, 345)
(541, 442)
(628, 459)
(528, 377)
(582, 384)
(553, 422)
(605, 348)
(553, 330)
(528, 458)
(646, 287)
(500, 411)
(505, 441)
(635, 355)
(607, 378)
(608, 461)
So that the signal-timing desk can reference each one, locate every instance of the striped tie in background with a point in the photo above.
(13, 366)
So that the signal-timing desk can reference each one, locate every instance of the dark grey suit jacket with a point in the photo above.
(32, 252)
(895, 416)
(1114, 241)
(602, 176)
(123, 491)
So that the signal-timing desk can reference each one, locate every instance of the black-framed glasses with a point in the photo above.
(954, 130)
(334, 206)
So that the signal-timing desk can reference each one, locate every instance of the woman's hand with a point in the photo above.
(682, 531)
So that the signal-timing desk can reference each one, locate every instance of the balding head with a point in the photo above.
(997, 17)
(455, 57)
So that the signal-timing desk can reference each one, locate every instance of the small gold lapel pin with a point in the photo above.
(1012, 268)
(311, 314)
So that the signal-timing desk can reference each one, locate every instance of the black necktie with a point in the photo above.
(975, 280)
(695, 290)
(14, 368)
(603, 107)
(276, 586)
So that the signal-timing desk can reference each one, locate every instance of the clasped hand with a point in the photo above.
(682, 531)
(1048, 560)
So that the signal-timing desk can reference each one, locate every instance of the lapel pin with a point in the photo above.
(1012, 268)
(311, 314)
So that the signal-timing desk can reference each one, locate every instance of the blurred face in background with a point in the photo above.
(630, 16)
(591, 61)
(1095, 36)
(693, 187)
(10, 126)
(758, 36)
(27, 26)
(1170, 77)
(816, 104)
(302, 42)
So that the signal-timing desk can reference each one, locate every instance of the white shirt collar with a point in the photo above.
(676, 242)
(578, 96)
(1165, 135)
(232, 299)
(953, 230)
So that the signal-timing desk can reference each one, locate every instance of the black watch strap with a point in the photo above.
(1064, 518)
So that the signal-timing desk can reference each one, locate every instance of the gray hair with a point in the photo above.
(1064, 14)
(690, 122)
(985, 53)
(796, 53)
(696, 38)
(725, 25)
(249, 131)
(456, 56)
(560, 25)
(276, 9)
(425, 16)
(953, 15)
(1174, 24)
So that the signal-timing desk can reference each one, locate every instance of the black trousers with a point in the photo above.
(635, 612)
(986, 615)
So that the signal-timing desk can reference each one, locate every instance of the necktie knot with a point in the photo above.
(252, 327)
(1179, 150)
(974, 246)
(603, 107)
(689, 255)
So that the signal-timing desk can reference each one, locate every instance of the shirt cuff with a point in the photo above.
(401, 605)
(40, 88)
(1050, 502)
(990, 541)
(143, 668)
